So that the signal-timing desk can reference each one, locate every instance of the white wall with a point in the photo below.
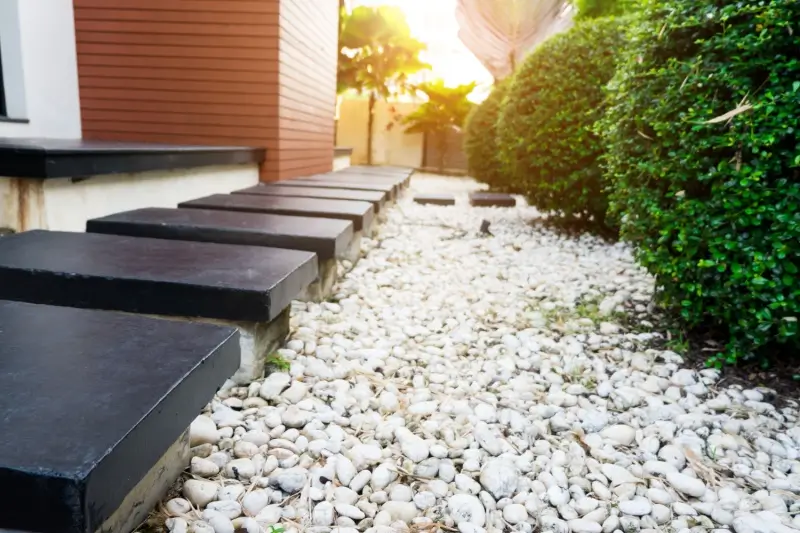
(63, 205)
(341, 162)
(390, 145)
(40, 68)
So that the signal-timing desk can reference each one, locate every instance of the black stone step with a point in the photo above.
(376, 198)
(435, 199)
(358, 185)
(393, 171)
(398, 179)
(364, 179)
(91, 400)
(153, 276)
(403, 174)
(325, 237)
(59, 158)
(359, 213)
(492, 199)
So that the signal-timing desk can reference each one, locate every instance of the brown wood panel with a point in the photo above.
(307, 57)
(208, 6)
(125, 96)
(101, 27)
(252, 72)
(199, 119)
(227, 132)
(214, 109)
(222, 42)
(161, 137)
(232, 89)
(189, 64)
(258, 57)
(193, 119)
(177, 74)
(196, 17)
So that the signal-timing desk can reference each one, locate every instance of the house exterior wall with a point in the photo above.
(65, 205)
(220, 72)
(37, 42)
(391, 145)
(309, 33)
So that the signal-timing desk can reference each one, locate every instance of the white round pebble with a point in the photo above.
(515, 513)
(487, 382)
(200, 493)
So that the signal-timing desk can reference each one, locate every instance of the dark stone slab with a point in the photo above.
(435, 199)
(152, 276)
(359, 213)
(394, 171)
(90, 401)
(325, 237)
(368, 175)
(400, 181)
(403, 174)
(338, 177)
(376, 198)
(359, 184)
(491, 199)
(73, 158)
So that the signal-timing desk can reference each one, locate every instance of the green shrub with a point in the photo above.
(589, 9)
(703, 155)
(547, 145)
(480, 143)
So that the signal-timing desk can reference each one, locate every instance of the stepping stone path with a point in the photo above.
(473, 383)
(377, 198)
(325, 237)
(490, 199)
(193, 279)
(354, 184)
(435, 199)
(359, 213)
(248, 287)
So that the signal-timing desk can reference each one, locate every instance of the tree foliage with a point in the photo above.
(445, 109)
(589, 9)
(376, 55)
(703, 159)
(376, 51)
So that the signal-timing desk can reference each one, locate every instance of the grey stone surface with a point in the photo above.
(435, 199)
(325, 237)
(91, 401)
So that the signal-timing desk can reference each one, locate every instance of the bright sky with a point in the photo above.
(434, 23)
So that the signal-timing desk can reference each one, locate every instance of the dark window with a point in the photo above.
(2, 89)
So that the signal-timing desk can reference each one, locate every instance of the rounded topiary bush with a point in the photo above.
(703, 158)
(545, 135)
(480, 142)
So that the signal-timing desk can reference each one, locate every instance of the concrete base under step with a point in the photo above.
(322, 288)
(151, 489)
(257, 340)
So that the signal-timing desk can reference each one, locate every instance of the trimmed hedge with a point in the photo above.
(703, 156)
(589, 9)
(480, 141)
(547, 145)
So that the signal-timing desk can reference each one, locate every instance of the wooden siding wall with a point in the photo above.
(219, 72)
(309, 33)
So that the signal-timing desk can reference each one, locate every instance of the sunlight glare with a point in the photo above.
(434, 23)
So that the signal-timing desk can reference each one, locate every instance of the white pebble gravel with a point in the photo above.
(511, 381)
